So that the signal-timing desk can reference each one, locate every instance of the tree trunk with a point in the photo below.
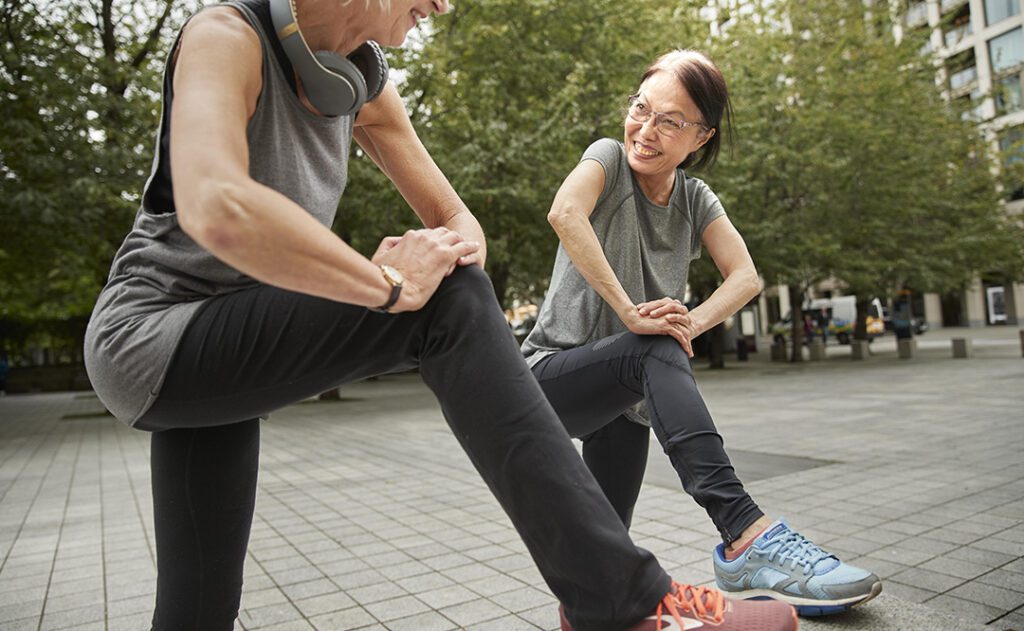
(860, 327)
(499, 272)
(797, 323)
(716, 348)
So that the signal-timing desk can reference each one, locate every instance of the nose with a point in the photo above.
(649, 126)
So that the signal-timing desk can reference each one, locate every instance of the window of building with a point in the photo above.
(1006, 51)
(1008, 93)
(1011, 144)
(962, 71)
(999, 10)
(917, 14)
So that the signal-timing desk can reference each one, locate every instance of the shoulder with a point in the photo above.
(698, 193)
(605, 149)
(222, 28)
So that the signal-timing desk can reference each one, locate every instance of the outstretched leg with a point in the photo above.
(592, 385)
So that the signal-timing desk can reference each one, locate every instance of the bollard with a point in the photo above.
(907, 347)
(859, 349)
(779, 352)
(741, 350)
(817, 351)
(962, 348)
(1021, 342)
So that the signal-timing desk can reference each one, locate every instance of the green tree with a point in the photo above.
(80, 84)
(506, 95)
(851, 165)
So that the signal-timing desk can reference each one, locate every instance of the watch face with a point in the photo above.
(393, 275)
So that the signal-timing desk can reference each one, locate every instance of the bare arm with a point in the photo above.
(247, 225)
(385, 133)
(570, 217)
(741, 283)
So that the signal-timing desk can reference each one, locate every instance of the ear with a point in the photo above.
(706, 138)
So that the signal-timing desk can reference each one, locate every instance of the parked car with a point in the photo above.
(841, 313)
(918, 325)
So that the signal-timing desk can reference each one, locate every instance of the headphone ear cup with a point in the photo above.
(372, 64)
(350, 74)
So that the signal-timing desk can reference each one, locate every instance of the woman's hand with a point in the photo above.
(423, 257)
(662, 306)
(674, 324)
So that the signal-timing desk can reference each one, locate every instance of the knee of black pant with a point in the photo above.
(466, 292)
(465, 306)
(663, 349)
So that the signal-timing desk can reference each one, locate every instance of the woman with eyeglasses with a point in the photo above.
(612, 343)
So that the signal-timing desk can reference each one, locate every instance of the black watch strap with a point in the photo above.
(396, 290)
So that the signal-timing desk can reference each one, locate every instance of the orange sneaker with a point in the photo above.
(688, 607)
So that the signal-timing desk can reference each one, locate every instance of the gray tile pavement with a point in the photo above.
(370, 517)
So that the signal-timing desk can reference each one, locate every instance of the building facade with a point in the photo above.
(979, 50)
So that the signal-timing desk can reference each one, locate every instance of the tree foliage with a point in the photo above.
(506, 94)
(80, 84)
(850, 162)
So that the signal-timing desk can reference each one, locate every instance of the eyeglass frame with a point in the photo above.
(679, 125)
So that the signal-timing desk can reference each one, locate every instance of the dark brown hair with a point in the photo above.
(706, 86)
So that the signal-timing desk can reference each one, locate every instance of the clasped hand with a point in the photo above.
(424, 257)
(665, 316)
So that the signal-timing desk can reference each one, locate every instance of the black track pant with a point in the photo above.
(592, 385)
(250, 352)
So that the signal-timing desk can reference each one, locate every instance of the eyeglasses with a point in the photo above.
(664, 123)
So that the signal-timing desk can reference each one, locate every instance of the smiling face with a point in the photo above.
(651, 152)
(401, 16)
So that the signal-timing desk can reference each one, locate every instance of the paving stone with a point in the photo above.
(998, 597)
(475, 611)
(929, 580)
(427, 621)
(395, 608)
(342, 509)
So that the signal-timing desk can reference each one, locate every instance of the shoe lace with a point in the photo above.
(797, 550)
(705, 603)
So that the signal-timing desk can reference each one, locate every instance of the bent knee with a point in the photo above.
(468, 290)
(662, 348)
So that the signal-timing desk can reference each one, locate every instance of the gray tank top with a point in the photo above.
(160, 277)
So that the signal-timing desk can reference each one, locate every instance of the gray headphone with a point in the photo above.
(334, 85)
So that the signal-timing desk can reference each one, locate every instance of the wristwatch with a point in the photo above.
(393, 278)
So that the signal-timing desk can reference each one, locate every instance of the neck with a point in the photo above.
(657, 186)
(329, 25)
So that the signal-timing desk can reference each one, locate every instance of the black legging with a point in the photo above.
(250, 352)
(592, 385)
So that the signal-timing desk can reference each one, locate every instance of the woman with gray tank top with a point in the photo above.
(231, 298)
(612, 343)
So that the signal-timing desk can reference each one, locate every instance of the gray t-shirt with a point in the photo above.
(160, 277)
(648, 246)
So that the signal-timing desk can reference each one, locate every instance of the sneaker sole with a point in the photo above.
(807, 607)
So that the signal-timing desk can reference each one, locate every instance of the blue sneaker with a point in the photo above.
(784, 565)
